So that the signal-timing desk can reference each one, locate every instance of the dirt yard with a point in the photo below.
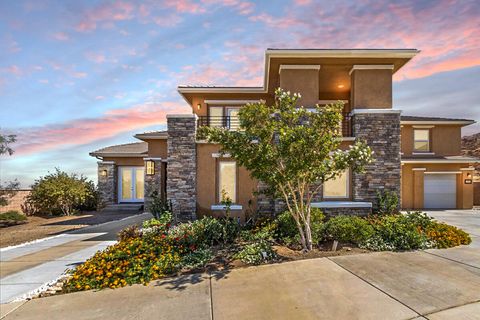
(39, 227)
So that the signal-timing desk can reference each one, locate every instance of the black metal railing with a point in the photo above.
(233, 123)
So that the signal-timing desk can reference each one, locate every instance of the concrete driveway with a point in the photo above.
(432, 284)
(26, 268)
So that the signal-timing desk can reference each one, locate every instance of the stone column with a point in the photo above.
(107, 183)
(182, 165)
(380, 129)
(153, 183)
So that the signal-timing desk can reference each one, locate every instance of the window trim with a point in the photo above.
(348, 189)
(429, 144)
(218, 192)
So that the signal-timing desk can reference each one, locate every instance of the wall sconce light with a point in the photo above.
(150, 164)
(103, 173)
(469, 175)
(199, 106)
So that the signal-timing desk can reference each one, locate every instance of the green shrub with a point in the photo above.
(12, 215)
(397, 232)
(266, 232)
(61, 193)
(128, 233)
(446, 236)
(158, 207)
(207, 231)
(256, 253)
(287, 230)
(197, 259)
(349, 229)
(387, 203)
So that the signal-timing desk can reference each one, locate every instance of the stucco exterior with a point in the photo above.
(413, 183)
(188, 169)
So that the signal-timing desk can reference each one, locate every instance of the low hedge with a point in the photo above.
(411, 231)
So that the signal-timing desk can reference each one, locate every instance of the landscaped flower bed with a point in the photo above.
(158, 250)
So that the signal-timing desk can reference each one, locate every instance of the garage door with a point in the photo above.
(440, 191)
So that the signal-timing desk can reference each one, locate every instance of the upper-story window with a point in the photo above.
(224, 117)
(421, 140)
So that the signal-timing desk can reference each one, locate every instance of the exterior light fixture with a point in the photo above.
(469, 175)
(103, 173)
(199, 106)
(340, 86)
(150, 164)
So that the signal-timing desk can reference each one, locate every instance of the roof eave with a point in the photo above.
(117, 154)
(439, 122)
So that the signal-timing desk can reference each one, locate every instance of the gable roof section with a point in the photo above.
(136, 149)
(435, 120)
(152, 135)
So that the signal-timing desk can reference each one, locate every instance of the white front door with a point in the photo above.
(440, 191)
(130, 184)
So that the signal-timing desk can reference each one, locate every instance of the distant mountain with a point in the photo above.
(471, 147)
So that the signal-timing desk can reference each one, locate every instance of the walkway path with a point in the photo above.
(25, 268)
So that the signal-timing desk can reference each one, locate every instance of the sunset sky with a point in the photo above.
(79, 75)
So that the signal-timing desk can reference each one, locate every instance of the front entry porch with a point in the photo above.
(130, 184)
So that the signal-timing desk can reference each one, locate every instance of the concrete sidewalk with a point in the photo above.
(25, 268)
(412, 285)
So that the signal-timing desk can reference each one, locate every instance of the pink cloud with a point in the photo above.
(61, 36)
(185, 6)
(13, 70)
(302, 2)
(95, 57)
(83, 131)
(107, 13)
(445, 31)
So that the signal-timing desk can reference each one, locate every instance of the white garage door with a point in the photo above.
(440, 191)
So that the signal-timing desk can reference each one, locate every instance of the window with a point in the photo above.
(421, 140)
(227, 180)
(215, 116)
(224, 117)
(338, 187)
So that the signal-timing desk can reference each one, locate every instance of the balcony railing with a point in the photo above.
(233, 123)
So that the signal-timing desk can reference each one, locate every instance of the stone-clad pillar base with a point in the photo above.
(380, 129)
(153, 183)
(182, 165)
(107, 183)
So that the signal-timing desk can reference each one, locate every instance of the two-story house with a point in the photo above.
(417, 158)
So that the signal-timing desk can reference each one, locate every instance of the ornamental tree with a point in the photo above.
(293, 150)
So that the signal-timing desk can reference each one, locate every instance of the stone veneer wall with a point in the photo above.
(107, 185)
(381, 131)
(152, 182)
(182, 165)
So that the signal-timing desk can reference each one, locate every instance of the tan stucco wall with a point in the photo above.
(121, 161)
(207, 183)
(157, 148)
(412, 184)
(371, 89)
(445, 140)
(303, 81)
